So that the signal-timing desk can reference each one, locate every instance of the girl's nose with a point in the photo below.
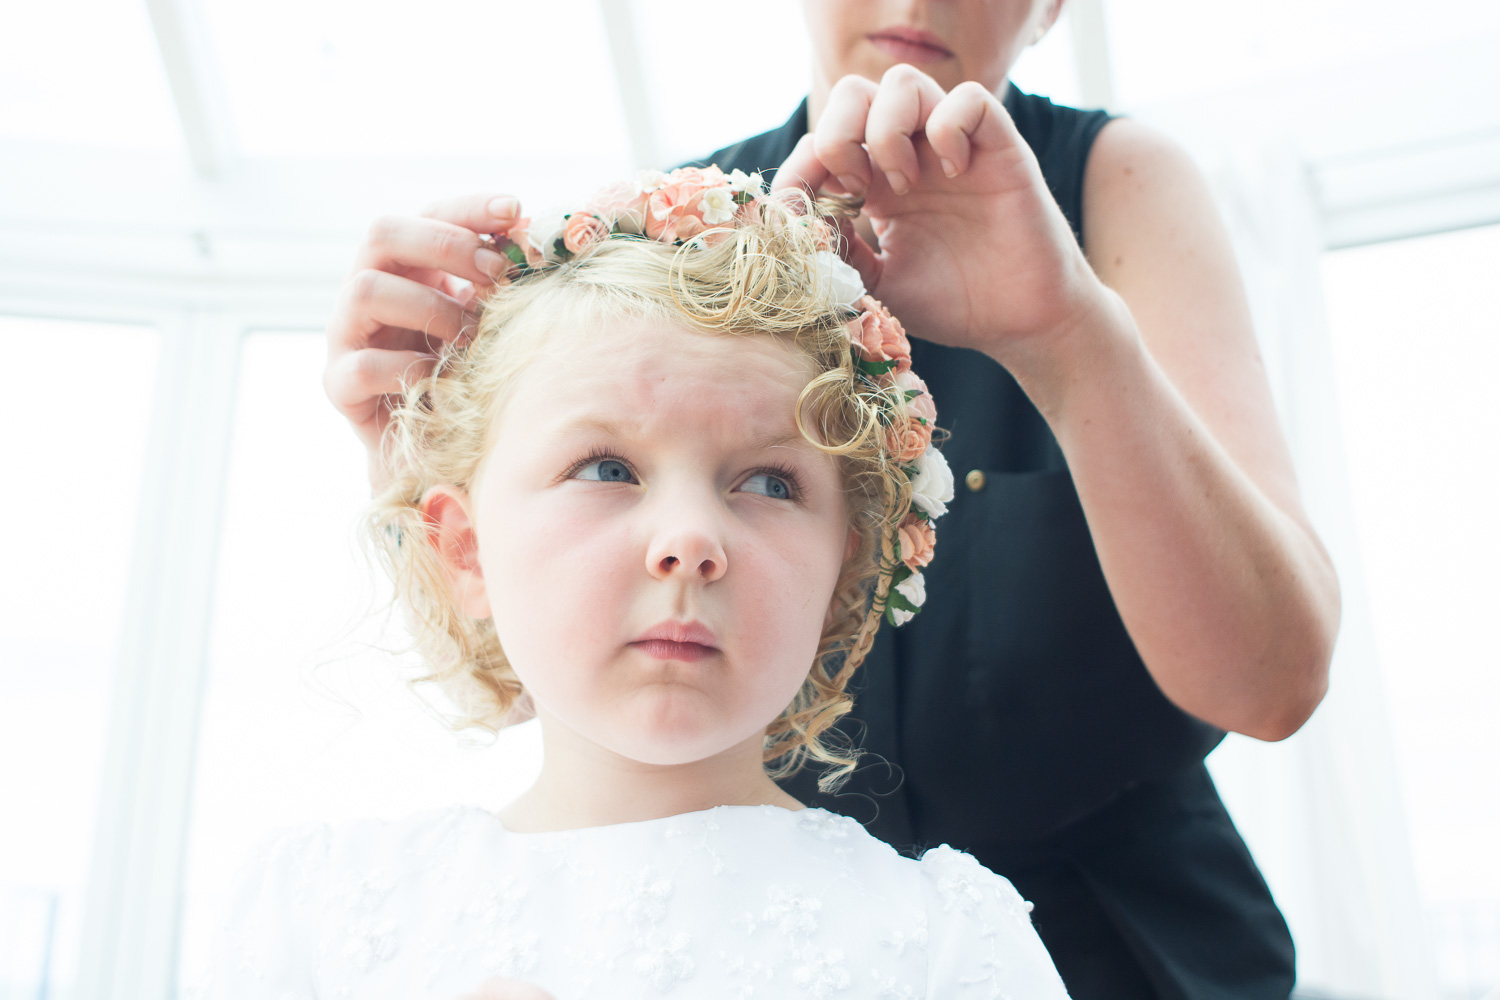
(686, 549)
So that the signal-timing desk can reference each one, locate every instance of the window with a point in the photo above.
(73, 448)
(1413, 325)
(305, 716)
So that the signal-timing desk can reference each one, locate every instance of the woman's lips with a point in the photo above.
(910, 46)
(666, 649)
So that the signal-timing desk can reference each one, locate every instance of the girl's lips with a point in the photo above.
(910, 46)
(666, 649)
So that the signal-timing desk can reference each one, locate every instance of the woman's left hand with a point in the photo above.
(973, 250)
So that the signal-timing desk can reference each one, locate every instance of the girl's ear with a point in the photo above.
(457, 545)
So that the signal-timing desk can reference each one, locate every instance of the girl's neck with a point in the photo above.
(584, 785)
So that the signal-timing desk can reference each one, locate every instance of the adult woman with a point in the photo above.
(1133, 574)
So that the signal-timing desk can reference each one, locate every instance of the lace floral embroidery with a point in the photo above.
(666, 964)
(821, 973)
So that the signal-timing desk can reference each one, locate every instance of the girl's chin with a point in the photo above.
(667, 737)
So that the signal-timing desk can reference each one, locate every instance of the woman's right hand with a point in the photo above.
(412, 289)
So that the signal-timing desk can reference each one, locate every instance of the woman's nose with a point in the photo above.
(688, 548)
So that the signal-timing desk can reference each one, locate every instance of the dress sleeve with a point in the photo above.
(981, 944)
(267, 946)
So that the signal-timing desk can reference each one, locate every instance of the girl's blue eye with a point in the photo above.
(606, 470)
(768, 485)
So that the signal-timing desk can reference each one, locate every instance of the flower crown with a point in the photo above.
(694, 205)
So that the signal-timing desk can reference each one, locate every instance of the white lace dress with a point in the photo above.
(731, 902)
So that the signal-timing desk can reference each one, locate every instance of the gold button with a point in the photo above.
(974, 480)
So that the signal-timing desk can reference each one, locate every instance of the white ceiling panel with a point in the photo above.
(716, 75)
(487, 77)
(1166, 50)
(84, 73)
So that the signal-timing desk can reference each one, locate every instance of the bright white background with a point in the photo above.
(186, 627)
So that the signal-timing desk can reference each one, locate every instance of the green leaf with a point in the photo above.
(901, 575)
(896, 599)
(874, 367)
(516, 255)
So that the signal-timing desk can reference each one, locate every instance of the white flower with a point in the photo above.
(717, 206)
(914, 589)
(649, 180)
(545, 229)
(838, 283)
(933, 487)
(748, 183)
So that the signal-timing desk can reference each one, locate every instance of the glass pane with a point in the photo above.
(74, 452)
(1167, 49)
(726, 101)
(1413, 325)
(304, 718)
(450, 76)
(84, 72)
(1049, 67)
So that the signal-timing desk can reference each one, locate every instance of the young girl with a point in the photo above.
(663, 497)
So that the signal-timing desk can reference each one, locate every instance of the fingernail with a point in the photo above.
(949, 169)
(491, 263)
(504, 208)
(852, 184)
(897, 180)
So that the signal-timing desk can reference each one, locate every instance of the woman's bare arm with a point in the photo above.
(1161, 403)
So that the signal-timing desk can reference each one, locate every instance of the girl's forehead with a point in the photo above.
(644, 366)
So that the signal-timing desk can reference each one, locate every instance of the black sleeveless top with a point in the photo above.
(1014, 718)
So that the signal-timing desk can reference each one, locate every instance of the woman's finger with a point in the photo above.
(969, 118)
(480, 213)
(900, 109)
(372, 300)
(404, 244)
(838, 141)
(355, 381)
(802, 168)
(461, 291)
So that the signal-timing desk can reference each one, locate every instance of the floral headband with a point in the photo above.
(693, 204)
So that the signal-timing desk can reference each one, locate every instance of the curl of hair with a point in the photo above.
(758, 276)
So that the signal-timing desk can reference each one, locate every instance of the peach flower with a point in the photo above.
(879, 336)
(519, 233)
(680, 196)
(918, 406)
(583, 229)
(915, 539)
(906, 439)
(687, 227)
(623, 203)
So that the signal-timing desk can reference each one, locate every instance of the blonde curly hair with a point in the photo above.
(759, 276)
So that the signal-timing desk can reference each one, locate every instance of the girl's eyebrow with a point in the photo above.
(631, 429)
